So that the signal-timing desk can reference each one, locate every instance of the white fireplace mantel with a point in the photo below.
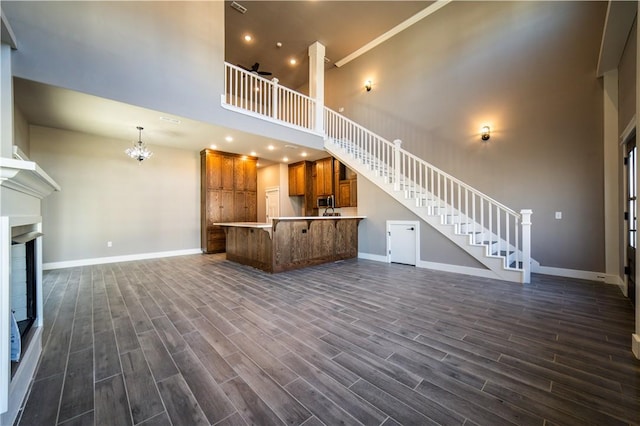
(26, 177)
(19, 175)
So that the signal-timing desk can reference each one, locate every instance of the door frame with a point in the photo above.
(416, 224)
(628, 133)
(267, 191)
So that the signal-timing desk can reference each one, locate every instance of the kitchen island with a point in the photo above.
(292, 242)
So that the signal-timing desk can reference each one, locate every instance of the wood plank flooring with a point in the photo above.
(199, 340)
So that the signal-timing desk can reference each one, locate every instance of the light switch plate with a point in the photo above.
(558, 215)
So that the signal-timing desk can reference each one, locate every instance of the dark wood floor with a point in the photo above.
(198, 340)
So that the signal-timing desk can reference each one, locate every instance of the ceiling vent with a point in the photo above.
(237, 6)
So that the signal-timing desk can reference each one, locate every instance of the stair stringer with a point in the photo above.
(480, 252)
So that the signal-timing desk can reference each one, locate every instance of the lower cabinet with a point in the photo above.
(245, 205)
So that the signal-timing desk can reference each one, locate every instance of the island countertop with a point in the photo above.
(266, 225)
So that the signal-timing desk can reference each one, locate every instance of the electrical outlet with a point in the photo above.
(109, 244)
(558, 215)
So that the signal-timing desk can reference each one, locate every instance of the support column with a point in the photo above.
(316, 83)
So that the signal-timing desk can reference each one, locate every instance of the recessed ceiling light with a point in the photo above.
(304, 154)
(271, 147)
(213, 146)
(285, 159)
(253, 153)
(171, 120)
(247, 37)
(293, 61)
(228, 139)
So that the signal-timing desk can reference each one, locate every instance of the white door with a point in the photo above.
(273, 203)
(402, 242)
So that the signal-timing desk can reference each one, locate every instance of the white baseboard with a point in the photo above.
(456, 269)
(115, 259)
(582, 275)
(444, 267)
(369, 256)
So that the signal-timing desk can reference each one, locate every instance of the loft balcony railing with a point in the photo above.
(259, 96)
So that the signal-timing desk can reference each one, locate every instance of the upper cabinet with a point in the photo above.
(245, 174)
(219, 170)
(324, 177)
(300, 178)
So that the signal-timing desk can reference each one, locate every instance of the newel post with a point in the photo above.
(526, 244)
(397, 145)
(274, 98)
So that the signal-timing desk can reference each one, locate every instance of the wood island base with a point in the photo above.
(292, 243)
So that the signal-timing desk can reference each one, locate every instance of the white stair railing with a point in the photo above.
(249, 92)
(504, 232)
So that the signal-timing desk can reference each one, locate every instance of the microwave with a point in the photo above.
(325, 202)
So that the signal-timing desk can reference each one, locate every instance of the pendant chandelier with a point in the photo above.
(139, 151)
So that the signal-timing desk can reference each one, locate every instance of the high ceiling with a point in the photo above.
(342, 26)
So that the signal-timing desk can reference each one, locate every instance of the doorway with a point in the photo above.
(403, 239)
(272, 196)
(631, 213)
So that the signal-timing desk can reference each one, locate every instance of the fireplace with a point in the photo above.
(24, 295)
(23, 184)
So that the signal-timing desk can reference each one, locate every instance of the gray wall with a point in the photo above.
(627, 81)
(21, 131)
(165, 56)
(106, 196)
(525, 68)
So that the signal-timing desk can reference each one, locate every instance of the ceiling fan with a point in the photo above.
(254, 69)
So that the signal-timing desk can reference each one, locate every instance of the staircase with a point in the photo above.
(493, 234)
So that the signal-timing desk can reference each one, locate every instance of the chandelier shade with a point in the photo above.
(139, 150)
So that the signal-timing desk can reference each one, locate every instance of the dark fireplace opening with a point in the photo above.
(23, 290)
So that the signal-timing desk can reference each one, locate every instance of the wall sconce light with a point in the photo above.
(486, 133)
(367, 85)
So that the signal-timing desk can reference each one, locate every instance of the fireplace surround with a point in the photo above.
(23, 185)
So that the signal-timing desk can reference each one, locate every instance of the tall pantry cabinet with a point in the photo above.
(228, 188)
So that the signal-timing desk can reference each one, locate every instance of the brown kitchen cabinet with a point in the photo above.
(348, 193)
(220, 175)
(245, 206)
(324, 177)
(346, 184)
(245, 174)
(301, 184)
(228, 194)
(299, 176)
